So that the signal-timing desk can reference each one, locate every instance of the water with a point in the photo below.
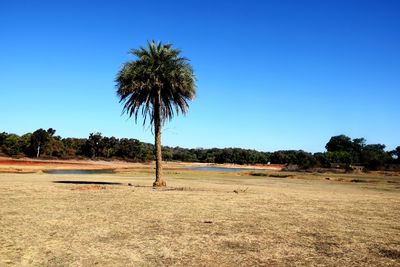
(78, 171)
(218, 169)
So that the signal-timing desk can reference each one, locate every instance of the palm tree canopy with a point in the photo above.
(159, 77)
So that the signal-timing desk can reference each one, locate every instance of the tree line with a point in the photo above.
(341, 151)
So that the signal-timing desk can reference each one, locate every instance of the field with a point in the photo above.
(250, 218)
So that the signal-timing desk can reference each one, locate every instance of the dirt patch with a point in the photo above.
(358, 181)
(89, 187)
(390, 253)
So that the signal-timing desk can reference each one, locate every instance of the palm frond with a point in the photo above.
(158, 75)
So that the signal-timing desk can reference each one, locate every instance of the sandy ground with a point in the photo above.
(200, 219)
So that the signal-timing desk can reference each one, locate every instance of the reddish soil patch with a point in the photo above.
(274, 166)
(36, 162)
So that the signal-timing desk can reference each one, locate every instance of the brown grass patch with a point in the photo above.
(198, 220)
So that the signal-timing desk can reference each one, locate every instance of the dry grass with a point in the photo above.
(199, 220)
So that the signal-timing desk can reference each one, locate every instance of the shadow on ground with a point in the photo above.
(87, 182)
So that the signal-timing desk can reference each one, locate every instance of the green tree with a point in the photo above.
(159, 84)
(74, 146)
(339, 157)
(3, 137)
(167, 154)
(339, 143)
(24, 143)
(110, 146)
(39, 139)
(93, 145)
(374, 156)
(56, 148)
(10, 145)
(321, 160)
(343, 143)
(358, 146)
(396, 154)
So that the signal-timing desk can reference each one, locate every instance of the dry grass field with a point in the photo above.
(200, 219)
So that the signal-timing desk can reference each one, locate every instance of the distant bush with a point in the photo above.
(342, 152)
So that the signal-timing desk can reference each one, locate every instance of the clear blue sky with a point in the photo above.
(271, 74)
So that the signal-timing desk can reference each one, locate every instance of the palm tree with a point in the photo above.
(158, 84)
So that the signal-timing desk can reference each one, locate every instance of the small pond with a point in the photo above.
(78, 171)
(218, 169)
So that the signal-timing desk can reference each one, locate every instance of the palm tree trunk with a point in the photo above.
(157, 140)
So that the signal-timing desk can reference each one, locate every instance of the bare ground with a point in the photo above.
(200, 219)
